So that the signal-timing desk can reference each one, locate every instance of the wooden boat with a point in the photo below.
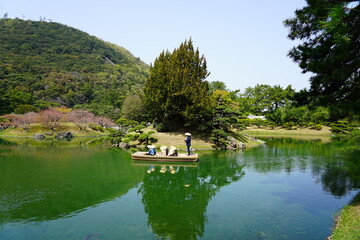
(182, 157)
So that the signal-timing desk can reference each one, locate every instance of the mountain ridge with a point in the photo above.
(44, 63)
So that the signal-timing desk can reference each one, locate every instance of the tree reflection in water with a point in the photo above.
(337, 171)
(176, 203)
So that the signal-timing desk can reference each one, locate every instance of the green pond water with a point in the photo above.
(86, 189)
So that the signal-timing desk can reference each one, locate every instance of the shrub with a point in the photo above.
(342, 127)
(125, 140)
(162, 127)
(289, 125)
(116, 140)
(317, 127)
(146, 137)
(100, 128)
(25, 108)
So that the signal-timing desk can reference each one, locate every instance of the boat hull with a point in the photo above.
(182, 157)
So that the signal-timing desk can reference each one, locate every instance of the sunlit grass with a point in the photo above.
(325, 131)
(348, 223)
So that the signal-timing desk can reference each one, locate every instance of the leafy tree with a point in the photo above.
(330, 49)
(319, 115)
(137, 129)
(5, 104)
(42, 105)
(125, 124)
(176, 91)
(132, 108)
(217, 85)
(278, 116)
(100, 109)
(25, 108)
(296, 115)
(19, 97)
(265, 99)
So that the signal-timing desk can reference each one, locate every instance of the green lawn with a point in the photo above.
(348, 223)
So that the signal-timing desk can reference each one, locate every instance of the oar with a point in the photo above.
(198, 150)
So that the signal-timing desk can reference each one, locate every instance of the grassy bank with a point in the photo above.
(39, 129)
(325, 131)
(324, 135)
(200, 141)
(348, 223)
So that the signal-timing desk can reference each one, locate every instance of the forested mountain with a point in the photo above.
(42, 63)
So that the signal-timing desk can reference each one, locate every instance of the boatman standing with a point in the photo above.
(188, 142)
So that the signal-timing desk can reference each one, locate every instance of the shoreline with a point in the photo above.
(347, 223)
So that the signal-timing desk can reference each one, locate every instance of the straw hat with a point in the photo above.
(151, 146)
(163, 147)
(173, 147)
(188, 134)
(148, 146)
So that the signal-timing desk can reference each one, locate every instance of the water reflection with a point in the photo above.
(45, 183)
(338, 172)
(40, 182)
(176, 203)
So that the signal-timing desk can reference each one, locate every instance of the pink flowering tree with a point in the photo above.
(81, 118)
(104, 122)
(51, 118)
(25, 121)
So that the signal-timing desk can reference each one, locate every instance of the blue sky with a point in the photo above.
(244, 42)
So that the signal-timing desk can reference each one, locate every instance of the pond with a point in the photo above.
(285, 189)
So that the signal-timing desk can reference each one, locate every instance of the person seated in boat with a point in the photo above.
(173, 151)
(152, 150)
(164, 151)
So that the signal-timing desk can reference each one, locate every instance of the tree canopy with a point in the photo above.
(176, 93)
(265, 99)
(330, 49)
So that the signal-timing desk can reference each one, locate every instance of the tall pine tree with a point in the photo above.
(176, 93)
(330, 31)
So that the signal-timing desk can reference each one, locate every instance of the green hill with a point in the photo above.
(44, 63)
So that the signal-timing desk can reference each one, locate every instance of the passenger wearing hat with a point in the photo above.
(173, 151)
(164, 151)
(152, 150)
(188, 142)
